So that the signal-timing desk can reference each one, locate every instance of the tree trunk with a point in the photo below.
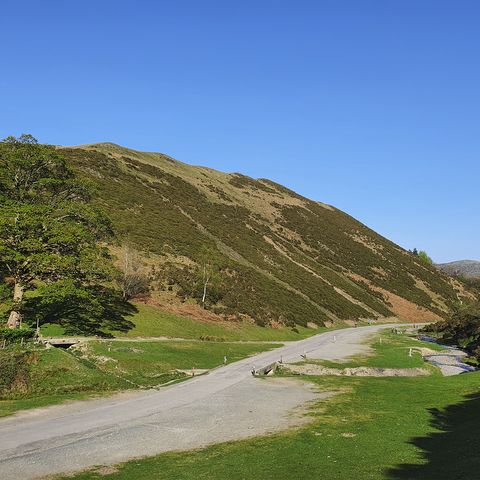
(204, 293)
(15, 317)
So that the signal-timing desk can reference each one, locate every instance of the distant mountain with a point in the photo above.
(467, 268)
(279, 257)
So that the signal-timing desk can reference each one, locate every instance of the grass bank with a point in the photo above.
(153, 322)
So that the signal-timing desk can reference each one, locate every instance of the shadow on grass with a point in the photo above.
(453, 451)
(88, 310)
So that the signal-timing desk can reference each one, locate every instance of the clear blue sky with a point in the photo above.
(372, 106)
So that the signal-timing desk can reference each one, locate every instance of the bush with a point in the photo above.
(462, 329)
(15, 335)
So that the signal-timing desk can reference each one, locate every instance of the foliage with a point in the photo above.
(49, 232)
(16, 335)
(132, 281)
(472, 283)
(462, 329)
(423, 255)
(134, 284)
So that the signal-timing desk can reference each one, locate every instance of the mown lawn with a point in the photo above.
(422, 428)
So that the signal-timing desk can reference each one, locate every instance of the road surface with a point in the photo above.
(226, 404)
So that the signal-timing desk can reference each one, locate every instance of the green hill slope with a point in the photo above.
(282, 258)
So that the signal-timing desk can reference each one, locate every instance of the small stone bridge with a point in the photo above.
(60, 342)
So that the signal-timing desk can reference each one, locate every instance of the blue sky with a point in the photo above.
(372, 106)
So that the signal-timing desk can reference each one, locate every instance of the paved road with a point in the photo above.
(226, 404)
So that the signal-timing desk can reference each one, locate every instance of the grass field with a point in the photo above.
(152, 322)
(150, 363)
(421, 428)
(57, 375)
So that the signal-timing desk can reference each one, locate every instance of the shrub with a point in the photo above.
(11, 335)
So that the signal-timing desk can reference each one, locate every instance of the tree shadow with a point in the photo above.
(89, 310)
(453, 452)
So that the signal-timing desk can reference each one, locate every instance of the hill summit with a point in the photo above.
(275, 256)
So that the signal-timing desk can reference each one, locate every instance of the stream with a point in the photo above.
(449, 361)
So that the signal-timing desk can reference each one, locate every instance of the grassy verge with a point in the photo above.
(389, 350)
(375, 428)
(53, 376)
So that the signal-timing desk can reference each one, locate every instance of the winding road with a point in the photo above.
(226, 404)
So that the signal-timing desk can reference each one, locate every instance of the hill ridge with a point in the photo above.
(469, 268)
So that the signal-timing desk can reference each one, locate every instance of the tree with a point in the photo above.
(132, 281)
(48, 230)
(207, 270)
(422, 255)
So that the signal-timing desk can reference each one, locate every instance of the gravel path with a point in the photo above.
(226, 404)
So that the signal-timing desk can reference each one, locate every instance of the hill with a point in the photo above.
(466, 268)
(277, 257)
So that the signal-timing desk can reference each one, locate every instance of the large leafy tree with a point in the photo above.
(49, 231)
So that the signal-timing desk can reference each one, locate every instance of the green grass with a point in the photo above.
(152, 322)
(55, 377)
(390, 350)
(150, 363)
(420, 428)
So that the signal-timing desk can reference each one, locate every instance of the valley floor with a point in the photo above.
(420, 428)
(227, 404)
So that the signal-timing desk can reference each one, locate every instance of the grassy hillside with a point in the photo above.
(279, 257)
(151, 321)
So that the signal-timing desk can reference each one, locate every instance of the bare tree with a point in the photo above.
(208, 269)
(206, 277)
(133, 282)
